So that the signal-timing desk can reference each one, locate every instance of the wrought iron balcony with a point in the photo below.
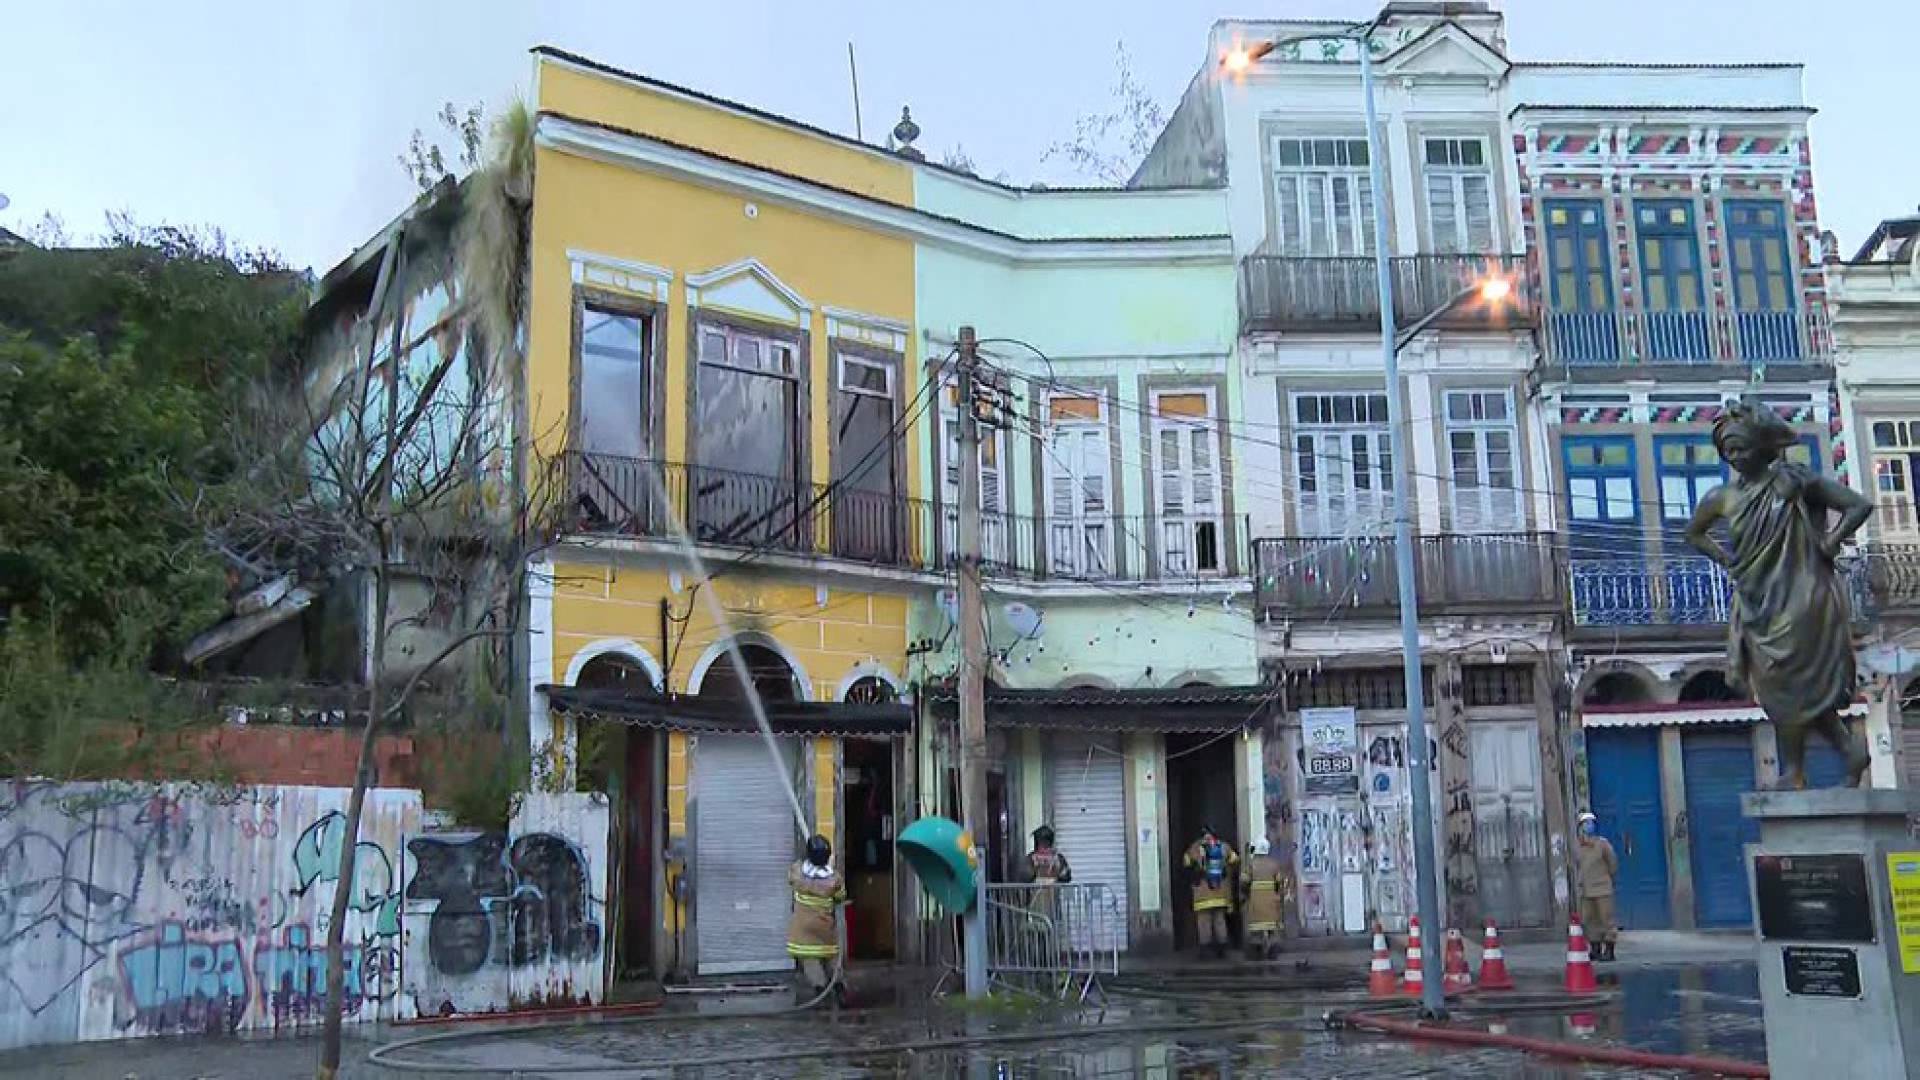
(1893, 574)
(1324, 576)
(622, 496)
(1633, 338)
(636, 497)
(1285, 292)
(1685, 590)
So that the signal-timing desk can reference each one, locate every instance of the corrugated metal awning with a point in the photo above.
(799, 719)
(1659, 715)
(1196, 709)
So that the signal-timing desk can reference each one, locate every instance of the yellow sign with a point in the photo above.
(1903, 879)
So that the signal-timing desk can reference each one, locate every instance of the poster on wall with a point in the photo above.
(1332, 741)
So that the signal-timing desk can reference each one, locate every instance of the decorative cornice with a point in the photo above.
(650, 155)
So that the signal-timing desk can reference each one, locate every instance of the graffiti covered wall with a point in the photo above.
(509, 920)
(142, 909)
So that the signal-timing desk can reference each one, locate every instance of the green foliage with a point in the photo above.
(116, 367)
(105, 718)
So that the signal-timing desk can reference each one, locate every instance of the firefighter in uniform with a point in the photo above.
(1211, 863)
(811, 936)
(1264, 886)
(1045, 865)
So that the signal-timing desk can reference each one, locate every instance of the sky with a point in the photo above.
(282, 123)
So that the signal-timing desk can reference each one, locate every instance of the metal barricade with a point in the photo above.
(1054, 941)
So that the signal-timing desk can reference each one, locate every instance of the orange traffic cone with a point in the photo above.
(1415, 980)
(1583, 1024)
(1579, 960)
(1456, 976)
(1380, 980)
(1493, 962)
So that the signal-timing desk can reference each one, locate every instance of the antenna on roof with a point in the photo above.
(853, 72)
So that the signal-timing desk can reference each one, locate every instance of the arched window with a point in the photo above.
(1618, 688)
(871, 690)
(1708, 686)
(614, 671)
(772, 678)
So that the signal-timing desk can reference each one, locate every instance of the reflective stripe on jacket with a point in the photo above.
(810, 933)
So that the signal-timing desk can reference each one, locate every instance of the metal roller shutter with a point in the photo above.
(743, 845)
(1087, 776)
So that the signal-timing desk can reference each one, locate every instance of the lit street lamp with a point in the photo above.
(1493, 289)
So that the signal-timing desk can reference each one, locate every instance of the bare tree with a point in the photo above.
(393, 457)
(426, 161)
(1107, 146)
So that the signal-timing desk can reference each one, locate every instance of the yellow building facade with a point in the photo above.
(703, 357)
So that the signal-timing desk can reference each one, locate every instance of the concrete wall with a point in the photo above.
(136, 909)
(509, 920)
(143, 910)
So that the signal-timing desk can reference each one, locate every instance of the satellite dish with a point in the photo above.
(1024, 619)
(950, 603)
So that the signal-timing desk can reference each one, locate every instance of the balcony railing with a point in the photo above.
(1300, 576)
(1284, 292)
(1893, 574)
(636, 497)
(1687, 590)
(1627, 338)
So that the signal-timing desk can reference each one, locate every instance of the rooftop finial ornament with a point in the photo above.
(904, 133)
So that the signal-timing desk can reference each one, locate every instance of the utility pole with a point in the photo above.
(1426, 889)
(973, 668)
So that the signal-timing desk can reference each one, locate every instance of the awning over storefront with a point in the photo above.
(1164, 709)
(799, 719)
(1657, 715)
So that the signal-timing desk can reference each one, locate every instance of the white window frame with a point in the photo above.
(849, 363)
(1079, 535)
(1197, 494)
(1332, 500)
(1484, 506)
(1294, 188)
(1455, 175)
(1895, 445)
(995, 526)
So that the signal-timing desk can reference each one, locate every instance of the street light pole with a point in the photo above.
(1419, 760)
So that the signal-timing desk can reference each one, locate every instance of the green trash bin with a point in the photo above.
(936, 848)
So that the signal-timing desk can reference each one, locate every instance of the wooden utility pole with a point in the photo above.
(973, 667)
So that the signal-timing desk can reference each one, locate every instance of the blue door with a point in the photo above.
(1608, 556)
(1826, 767)
(1671, 289)
(1623, 774)
(1765, 328)
(1686, 468)
(1719, 769)
(1580, 323)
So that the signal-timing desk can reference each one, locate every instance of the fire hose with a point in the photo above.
(1427, 1031)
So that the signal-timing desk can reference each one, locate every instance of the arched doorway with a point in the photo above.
(744, 833)
(1624, 789)
(1619, 688)
(868, 823)
(624, 760)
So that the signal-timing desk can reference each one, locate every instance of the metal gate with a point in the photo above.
(1087, 779)
(1910, 749)
(1509, 857)
(1719, 769)
(744, 843)
(1623, 773)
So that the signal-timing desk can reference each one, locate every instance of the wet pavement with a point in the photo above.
(1181, 1026)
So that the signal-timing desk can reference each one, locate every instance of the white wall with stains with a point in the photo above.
(140, 909)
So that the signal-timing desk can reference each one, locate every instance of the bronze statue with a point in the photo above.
(1790, 636)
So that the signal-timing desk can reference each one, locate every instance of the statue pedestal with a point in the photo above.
(1836, 890)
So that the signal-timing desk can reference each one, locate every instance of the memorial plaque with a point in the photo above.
(1813, 897)
(1816, 972)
